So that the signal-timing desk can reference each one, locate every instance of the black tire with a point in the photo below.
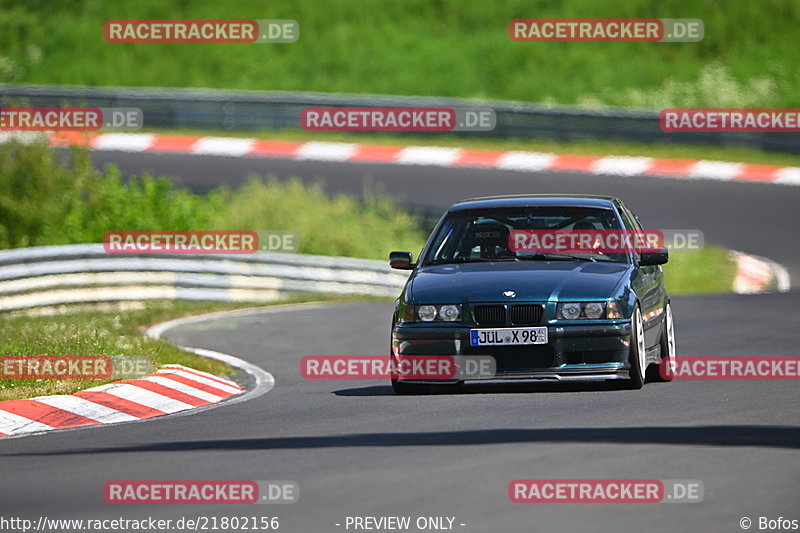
(635, 353)
(401, 388)
(659, 372)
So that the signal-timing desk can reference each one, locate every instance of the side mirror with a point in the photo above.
(658, 256)
(401, 260)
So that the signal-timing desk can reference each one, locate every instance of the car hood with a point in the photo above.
(530, 280)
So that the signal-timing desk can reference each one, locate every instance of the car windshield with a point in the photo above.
(484, 234)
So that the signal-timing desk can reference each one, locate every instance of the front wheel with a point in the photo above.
(636, 352)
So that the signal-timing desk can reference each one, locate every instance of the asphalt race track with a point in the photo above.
(357, 450)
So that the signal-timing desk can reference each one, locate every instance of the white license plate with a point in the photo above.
(507, 336)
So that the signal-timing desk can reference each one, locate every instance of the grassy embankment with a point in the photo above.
(747, 58)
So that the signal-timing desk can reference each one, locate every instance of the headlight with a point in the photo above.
(449, 313)
(593, 310)
(426, 313)
(446, 312)
(588, 310)
(571, 311)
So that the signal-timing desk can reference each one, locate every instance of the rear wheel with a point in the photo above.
(661, 371)
(636, 353)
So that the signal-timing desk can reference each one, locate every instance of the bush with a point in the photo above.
(338, 225)
(37, 191)
(45, 199)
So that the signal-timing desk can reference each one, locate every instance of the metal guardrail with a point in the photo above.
(82, 273)
(260, 110)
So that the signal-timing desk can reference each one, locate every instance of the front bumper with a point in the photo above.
(580, 352)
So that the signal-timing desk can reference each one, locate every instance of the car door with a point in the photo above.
(649, 286)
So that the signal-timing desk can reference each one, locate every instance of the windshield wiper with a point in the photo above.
(558, 257)
(469, 260)
(523, 257)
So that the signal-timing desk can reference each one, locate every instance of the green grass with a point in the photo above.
(109, 332)
(585, 147)
(710, 270)
(95, 333)
(422, 47)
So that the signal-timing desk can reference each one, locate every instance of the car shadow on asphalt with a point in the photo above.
(493, 388)
(784, 437)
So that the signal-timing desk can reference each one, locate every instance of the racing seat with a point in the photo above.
(584, 225)
(492, 238)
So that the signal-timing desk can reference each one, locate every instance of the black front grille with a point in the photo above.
(526, 314)
(489, 315)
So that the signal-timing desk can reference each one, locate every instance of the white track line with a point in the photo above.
(123, 142)
(427, 155)
(325, 151)
(229, 146)
(525, 161)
